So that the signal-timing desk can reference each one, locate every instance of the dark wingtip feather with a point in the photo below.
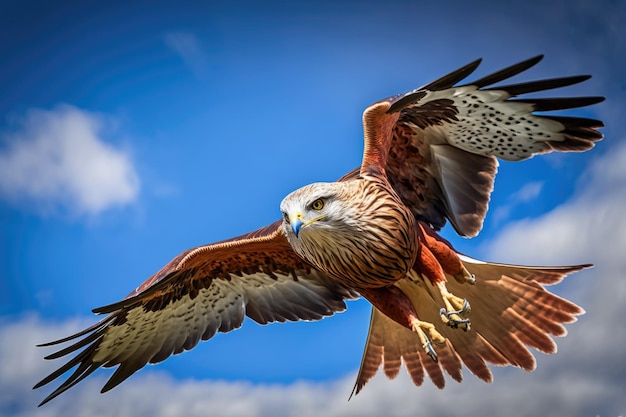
(577, 122)
(89, 329)
(452, 78)
(561, 103)
(83, 370)
(400, 102)
(124, 371)
(73, 348)
(541, 85)
(109, 308)
(507, 72)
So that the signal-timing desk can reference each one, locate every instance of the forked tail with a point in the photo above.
(511, 311)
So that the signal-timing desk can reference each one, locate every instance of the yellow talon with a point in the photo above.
(455, 308)
(426, 332)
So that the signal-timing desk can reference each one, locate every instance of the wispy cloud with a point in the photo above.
(591, 227)
(525, 194)
(528, 192)
(190, 50)
(560, 387)
(59, 158)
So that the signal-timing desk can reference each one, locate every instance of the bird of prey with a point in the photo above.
(430, 157)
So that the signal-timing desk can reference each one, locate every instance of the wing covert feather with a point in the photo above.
(203, 291)
(444, 145)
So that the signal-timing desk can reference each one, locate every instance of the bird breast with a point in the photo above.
(372, 245)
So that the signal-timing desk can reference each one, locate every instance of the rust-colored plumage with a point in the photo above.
(430, 156)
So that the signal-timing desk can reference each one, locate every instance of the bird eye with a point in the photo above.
(318, 204)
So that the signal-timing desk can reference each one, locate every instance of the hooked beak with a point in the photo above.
(297, 223)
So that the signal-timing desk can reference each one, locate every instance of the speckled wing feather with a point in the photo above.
(202, 291)
(442, 155)
(512, 311)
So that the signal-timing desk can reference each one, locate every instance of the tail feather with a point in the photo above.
(413, 364)
(511, 312)
(450, 361)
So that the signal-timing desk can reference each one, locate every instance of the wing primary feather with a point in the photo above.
(548, 104)
(89, 329)
(452, 78)
(571, 122)
(66, 367)
(541, 85)
(82, 372)
(74, 347)
(84, 369)
(402, 100)
(589, 134)
(507, 72)
(125, 370)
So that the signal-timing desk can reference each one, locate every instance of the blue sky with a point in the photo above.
(131, 132)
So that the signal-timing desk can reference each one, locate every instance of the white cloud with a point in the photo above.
(528, 192)
(188, 47)
(58, 158)
(591, 227)
(525, 194)
(558, 388)
(586, 378)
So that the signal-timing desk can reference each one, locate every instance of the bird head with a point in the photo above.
(317, 218)
(309, 208)
(320, 220)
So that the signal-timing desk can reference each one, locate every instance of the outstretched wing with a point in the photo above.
(511, 312)
(438, 144)
(200, 292)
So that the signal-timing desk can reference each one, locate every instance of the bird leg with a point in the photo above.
(393, 303)
(445, 255)
(430, 266)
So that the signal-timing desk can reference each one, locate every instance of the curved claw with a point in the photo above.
(465, 277)
(452, 318)
(454, 323)
(466, 308)
(427, 334)
(428, 347)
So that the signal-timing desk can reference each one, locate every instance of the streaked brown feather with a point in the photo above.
(258, 273)
(511, 312)
(434, 115)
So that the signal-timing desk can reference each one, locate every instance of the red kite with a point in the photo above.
(430, 157)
